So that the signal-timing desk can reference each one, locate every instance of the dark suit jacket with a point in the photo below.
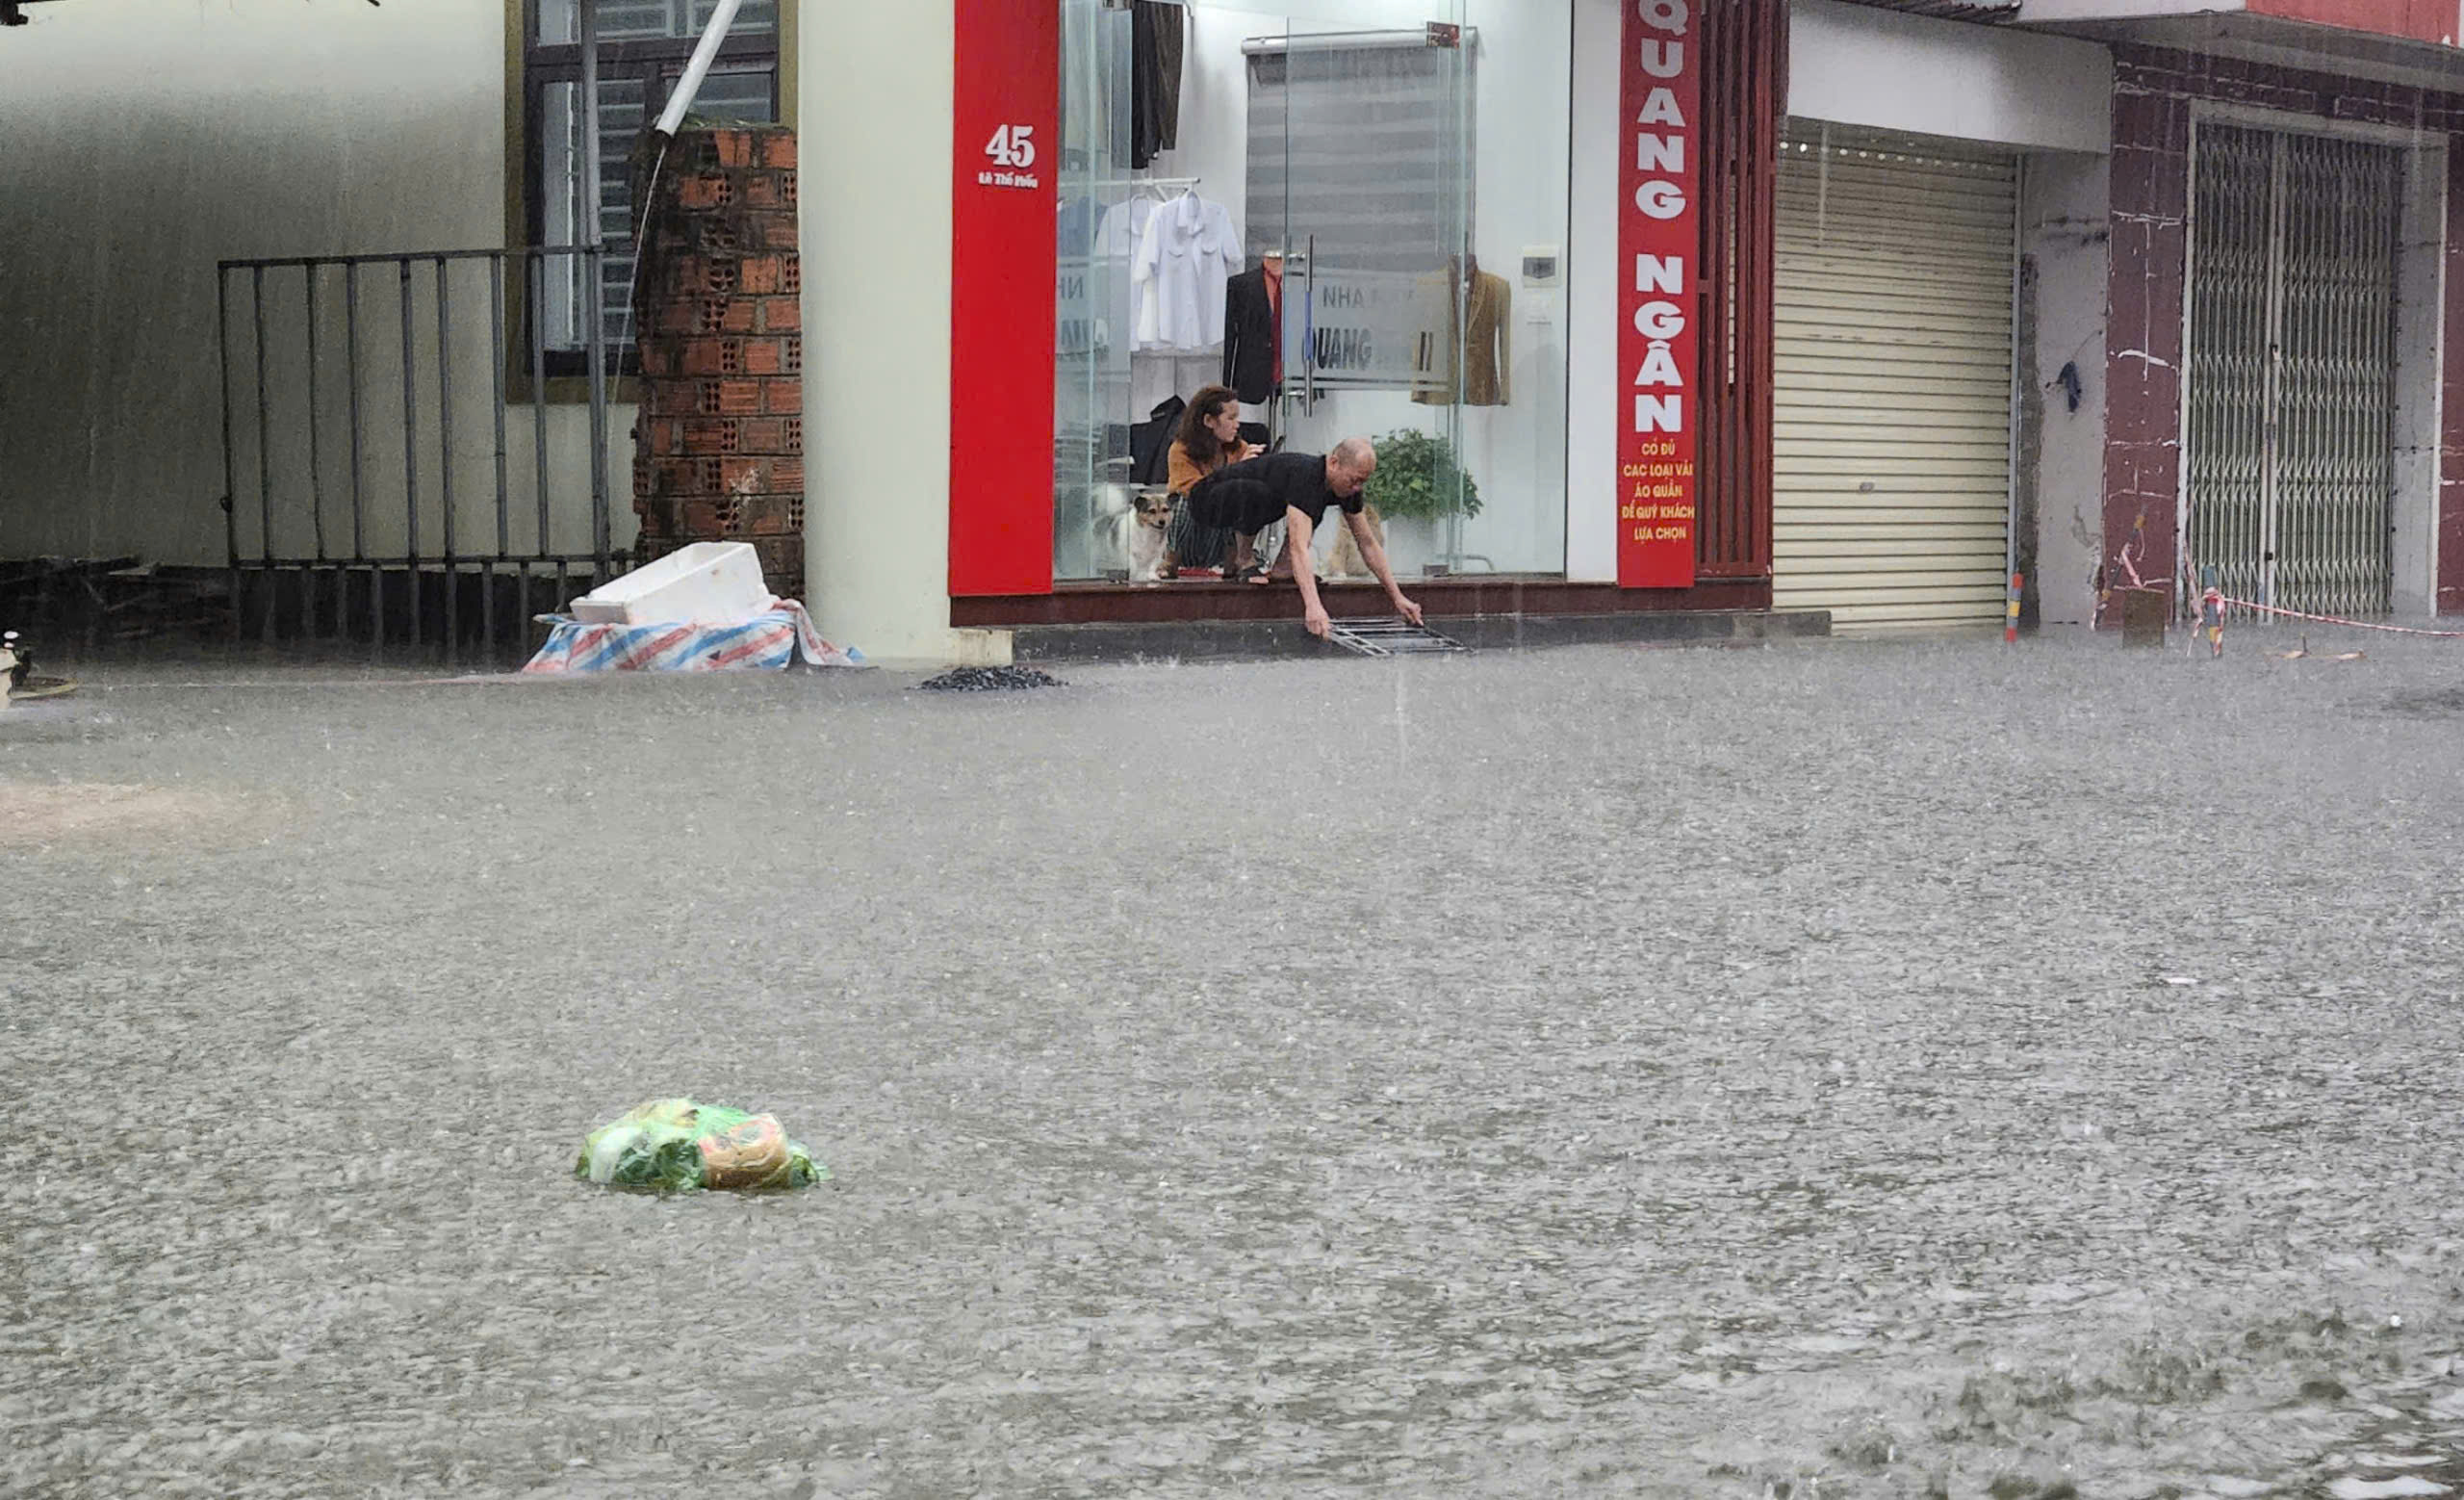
(1250, 337)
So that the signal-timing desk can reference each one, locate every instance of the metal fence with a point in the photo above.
(399, 469)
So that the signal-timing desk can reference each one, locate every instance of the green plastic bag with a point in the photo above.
(676, 1144)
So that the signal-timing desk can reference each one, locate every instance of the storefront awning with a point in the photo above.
(2393, 43)
(1987, 11)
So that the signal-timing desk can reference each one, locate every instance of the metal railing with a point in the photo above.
(374, 409)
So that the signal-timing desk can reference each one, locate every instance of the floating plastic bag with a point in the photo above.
(678, 1145)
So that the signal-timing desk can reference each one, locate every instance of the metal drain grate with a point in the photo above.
(1390, 637)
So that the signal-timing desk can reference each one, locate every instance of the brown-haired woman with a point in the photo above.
(1208, 439)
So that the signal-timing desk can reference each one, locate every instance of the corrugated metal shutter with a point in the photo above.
(1891, 449)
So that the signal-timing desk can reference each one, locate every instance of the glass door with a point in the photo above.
(1308, 163)
(1090, 290)
(1361, 178)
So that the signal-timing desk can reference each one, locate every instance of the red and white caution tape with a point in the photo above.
(2332, 619)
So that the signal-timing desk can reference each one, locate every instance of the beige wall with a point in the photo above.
(145, 140)
(876, 364)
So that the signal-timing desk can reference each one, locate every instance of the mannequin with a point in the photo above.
(1253, 340)
(1466, 322)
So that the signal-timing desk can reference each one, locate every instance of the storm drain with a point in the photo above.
(1390, 637)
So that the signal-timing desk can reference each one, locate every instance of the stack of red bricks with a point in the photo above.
(718, 443)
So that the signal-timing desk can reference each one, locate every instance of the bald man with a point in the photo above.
(1246, 498)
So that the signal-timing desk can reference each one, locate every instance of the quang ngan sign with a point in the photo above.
(1658, 243)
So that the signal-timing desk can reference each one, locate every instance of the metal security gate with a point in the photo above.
(2289, 477)
(1891, 449)
(397, 475)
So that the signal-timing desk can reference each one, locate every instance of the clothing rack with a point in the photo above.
(1102, 183)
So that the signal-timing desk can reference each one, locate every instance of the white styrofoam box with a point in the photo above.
(705, 584)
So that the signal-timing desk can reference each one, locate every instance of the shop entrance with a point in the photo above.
(2290, 412)
(1891, 456)
(1283, 201)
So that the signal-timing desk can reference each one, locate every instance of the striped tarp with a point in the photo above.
(767, 642)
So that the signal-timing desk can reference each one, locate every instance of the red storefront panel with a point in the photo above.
(1003, 258)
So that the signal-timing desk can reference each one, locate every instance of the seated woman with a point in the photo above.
(1209, 438)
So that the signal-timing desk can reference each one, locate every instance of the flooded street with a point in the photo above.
(1856, 1070)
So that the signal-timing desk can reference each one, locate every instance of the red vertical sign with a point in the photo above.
(1658, 247)
(1003, 256)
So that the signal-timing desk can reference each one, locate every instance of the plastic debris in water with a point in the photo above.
(17, 665)
(678, 1145)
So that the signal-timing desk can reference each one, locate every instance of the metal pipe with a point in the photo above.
(588, 193)
(350, 349)
(597, 344)
(538, 278)
(2271, 420)
(316, 446)
(398, 560)
(265, 454)
(497, 355)
(374, 257)
(410, 445)
(2190, 395)
(444, 453)
(358, 510)
(230, 453)
(1349, 41)
(704, 52)
(311, 578)
(2019, 391)
(591, 302)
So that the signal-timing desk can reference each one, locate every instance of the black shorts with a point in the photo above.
(1242, 505)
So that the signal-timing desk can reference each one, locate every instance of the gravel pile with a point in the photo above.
(991, 678)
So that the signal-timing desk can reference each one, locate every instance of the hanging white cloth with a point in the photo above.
(1189, 251)
(1118, 238)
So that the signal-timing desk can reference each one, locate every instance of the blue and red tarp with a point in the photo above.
(767, 642)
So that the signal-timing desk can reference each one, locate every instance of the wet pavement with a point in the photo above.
(1840, 1068)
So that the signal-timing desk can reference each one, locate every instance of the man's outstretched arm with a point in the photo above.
(1304, 571)
(1373, 552)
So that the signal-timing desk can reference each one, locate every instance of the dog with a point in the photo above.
(1346, 562)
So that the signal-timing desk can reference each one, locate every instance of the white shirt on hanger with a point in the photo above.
(1189, 251)
(1124, 228)
(1117, 237)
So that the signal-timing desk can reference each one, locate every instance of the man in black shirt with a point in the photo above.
(1246, 498)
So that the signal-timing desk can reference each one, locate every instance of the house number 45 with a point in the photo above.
(1013, 146)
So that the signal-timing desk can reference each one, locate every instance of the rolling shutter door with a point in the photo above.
(1892, 448)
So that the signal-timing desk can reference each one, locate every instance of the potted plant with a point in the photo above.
(1417, 479)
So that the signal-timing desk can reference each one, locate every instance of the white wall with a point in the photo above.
(146, 141)
(1515, 453)
(2063, 226)
(877, 367)
(2421, 322)
(1857, 66)
(1591, 297)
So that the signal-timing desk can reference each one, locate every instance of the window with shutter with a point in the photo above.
(1364, 141)
(643, 47)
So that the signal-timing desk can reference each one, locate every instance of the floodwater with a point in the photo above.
(1831, 1069)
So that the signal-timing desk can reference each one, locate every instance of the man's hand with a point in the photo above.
(1407, 609)
(1315, 618)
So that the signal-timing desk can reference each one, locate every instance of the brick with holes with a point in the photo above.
(762, 275)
